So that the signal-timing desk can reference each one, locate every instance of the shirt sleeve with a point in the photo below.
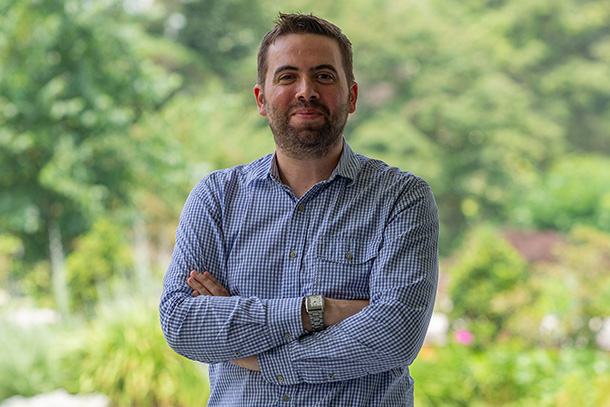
(389, 332)
(217, 329)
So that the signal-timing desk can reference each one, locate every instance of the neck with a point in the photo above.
(300, 174)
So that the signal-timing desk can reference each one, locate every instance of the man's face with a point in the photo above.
(306, 98)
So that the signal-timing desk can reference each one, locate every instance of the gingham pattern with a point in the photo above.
(370, 231)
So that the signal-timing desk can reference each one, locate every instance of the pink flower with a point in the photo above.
(463, 337)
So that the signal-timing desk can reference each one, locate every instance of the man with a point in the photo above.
(307, 277)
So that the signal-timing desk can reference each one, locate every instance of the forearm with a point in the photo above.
(385, 335)
(335, 311)
(205, 284)
(218, 329)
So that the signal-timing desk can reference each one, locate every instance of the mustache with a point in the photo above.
(309, 104)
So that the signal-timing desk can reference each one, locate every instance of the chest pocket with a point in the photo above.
(343, 267)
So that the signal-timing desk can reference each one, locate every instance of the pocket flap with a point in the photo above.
(346, 251)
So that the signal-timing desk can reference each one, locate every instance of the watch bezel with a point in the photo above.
(310, 306)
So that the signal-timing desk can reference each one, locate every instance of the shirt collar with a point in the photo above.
(348, 167)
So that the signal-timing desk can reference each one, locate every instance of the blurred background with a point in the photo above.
(112, 110)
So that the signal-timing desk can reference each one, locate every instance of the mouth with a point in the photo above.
(307, 113)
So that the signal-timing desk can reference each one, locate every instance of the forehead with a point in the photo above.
(304, 51)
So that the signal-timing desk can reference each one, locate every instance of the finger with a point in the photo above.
(210, 283)
(196, 285)
(209, 275)
(218, 288)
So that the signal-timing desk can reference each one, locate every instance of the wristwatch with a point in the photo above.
(314, 305)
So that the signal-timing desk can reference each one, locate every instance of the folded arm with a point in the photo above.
(336, 309)
(209, 325)
(217, 328)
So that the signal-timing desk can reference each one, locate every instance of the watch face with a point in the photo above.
(315, 302)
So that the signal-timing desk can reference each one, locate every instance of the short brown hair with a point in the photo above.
(305, 24)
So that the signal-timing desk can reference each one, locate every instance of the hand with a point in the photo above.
(206, 284)
(249, 362)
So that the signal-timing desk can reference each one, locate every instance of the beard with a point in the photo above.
(308, 140)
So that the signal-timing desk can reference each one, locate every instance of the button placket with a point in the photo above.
(295, 241)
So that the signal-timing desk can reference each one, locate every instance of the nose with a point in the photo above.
(307, 89)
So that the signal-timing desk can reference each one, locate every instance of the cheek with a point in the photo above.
(283, 97)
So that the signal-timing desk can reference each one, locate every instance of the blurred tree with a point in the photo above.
(224, 34)
(72, 82)
(574, 190)
(433, 102)
(561, 51)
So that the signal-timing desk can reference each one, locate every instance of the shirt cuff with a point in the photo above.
(276, 366)
(284, 320)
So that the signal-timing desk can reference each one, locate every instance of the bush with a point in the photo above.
(102, 257)
(487, 283)
(123, 354)
(572, 291)
(28, 360)
(510, 375)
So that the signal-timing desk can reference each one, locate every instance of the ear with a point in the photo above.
(353, 96)
(260, 99)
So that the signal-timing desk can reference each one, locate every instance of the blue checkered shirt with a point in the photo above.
(369, 232)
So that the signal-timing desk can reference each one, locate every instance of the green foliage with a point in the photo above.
(28, 361)
(574, 289)
(123, 354)
(214, 130)
(575, 190)
(478, 96)
(10, 246)
(510, 376)
(102, 257)
(224, 33)
(72, 82)
(487, 282)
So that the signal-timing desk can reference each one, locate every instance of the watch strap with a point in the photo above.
(317, 320)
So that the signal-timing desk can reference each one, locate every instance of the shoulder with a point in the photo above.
(384, 177)
(221, 181)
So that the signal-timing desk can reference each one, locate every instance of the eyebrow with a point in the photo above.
(316, 68)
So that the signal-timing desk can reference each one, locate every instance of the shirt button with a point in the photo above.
(331, 376)
(280, 378)
(287, 335)
(293, 254)
(286, 397)
(348, 256)
(301, 208)
(237, 353)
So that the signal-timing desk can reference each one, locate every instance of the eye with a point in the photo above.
(287, 77)
(325, 77)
